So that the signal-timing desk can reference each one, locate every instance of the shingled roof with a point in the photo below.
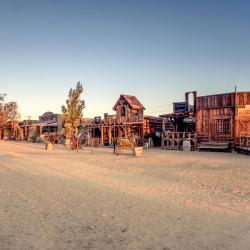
(132, 101)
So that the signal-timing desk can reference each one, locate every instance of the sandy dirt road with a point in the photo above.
(95, 200)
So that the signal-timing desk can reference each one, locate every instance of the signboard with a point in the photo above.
(244, 111)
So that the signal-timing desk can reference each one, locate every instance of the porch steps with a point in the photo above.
(214, 146)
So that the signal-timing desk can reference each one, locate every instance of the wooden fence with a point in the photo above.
(174, 140)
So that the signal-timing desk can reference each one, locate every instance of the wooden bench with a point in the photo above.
(215, 146)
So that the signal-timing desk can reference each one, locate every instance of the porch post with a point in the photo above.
(102, 139)
(125, 130)
(109, 135)
(87, 142)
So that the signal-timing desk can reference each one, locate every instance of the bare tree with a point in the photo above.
(11, 111)
(8, 111)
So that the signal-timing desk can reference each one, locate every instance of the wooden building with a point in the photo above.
(222, 119)
(47, 123)
(127, 122)
(25, 125)
(179, 126)
(50, 122)
(9, 131)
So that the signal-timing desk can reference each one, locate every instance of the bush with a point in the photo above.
(125, 143)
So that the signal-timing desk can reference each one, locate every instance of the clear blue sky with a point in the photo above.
(155, 50)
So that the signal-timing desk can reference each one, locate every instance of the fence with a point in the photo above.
(174, 140)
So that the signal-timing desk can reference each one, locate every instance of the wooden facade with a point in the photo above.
(179, 126)
(128, 122)
(50, 123)
(26, 125)
(9, 131)
(223, 118)
(218, 121)
(212, 122)
(47, 123)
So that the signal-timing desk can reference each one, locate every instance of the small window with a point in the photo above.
(248, 99)
(222, 126)
(123, 111)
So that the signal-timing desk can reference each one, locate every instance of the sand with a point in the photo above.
(96, 200)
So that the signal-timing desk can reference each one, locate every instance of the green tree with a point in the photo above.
(72, 112)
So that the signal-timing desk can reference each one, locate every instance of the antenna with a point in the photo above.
(235, 88)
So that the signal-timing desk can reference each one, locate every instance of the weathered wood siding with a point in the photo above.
(124, 113)
(152, 124)
(215, 117)
(242, 119)
(223, 117)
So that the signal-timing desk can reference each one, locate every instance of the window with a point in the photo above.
(222, 126)
(248, 99)
(123, 111)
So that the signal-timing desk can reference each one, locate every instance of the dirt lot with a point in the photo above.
(95, 200)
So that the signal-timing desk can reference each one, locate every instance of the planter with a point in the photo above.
(137, 151)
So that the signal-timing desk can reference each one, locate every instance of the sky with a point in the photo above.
(155, 50)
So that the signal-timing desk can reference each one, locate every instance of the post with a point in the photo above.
(235, 115)
(87, 137)
(102, 139)
(163, 132)
(109, 135)
(125, 132)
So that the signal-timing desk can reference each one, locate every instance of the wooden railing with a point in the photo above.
(130, 119)
(174, 140)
